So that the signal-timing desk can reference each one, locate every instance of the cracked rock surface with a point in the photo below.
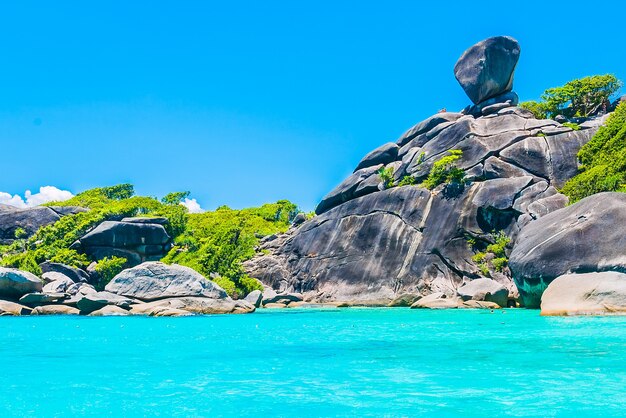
(370, 244)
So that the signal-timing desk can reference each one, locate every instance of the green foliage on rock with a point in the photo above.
(218, 242)
(603, 160)
(572, 125)
(107, 268)
(386, 176)
(407, 181)
(445, 171)
(582, 97)
(493, 258)
(70, 258)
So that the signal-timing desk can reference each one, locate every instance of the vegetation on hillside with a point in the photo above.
(210, 242)
(603, 160)
(582, 97)
(445, 171)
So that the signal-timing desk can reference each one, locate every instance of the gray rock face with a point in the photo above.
(136, 239)
(16, 283)
(586, 294)
(586, 237)
(384, 154)
(13, 309)
(254, 298)
(154, 280)
(94, 301)
(369, 245)
(75, 274)
(30, 219)
(484, 289)
(486, 69)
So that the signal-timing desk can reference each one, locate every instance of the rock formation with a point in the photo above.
(30, 219)
(136, 239)
(581, 238)
(371, 243)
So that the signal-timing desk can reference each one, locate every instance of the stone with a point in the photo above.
(110, 310)
(345, 190)
(285, 298)
(28, 219)
(484, 289)
(404, 300)
(16, 283)
(58, 286)
(147, 220)
(198, 305)
(299, 219)
(155, 280)
(586, 294)
(8, 308)
(486, 69)
(75, 274)
(436, 301)
(93, 301)
(125, 234)
(384, 154)
(33, 299)
(255, 297)
(428, 125)
(479, 304)
(500, 193)
(275, 306)
(587, 236)
(55, 310)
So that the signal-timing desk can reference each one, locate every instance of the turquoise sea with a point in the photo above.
(329, 362)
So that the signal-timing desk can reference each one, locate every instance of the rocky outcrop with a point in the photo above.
(136, 239)
(586, 294)
(75, 274)
(484, 289)
(30, 219)
(373, 242)
(198, 305)
(55, 310)
(486, 69)
(13, 309)
(16, 283)
(585, 237)
(154, 280)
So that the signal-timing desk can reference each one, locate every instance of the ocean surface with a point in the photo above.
(328, 362)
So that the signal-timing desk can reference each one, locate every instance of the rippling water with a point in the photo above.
(332, 362)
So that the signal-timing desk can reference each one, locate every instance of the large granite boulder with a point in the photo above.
(586, 294)
(55, 310)
(30, 219)
(8, 308)
(154, 280)
(486, 69)
(588, 236)
(16, 283)
(136, 239)
(75, 274)
(484, 289)
(197, 305)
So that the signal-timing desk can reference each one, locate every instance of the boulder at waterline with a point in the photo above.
(486, 69)
(586, 294)
(110, 310)
(404, 300)
(484, 289)
(436, 300)
(55, 310)
(197, 305)
(34, 299)
(589, 236)
(16, 283)
(13, 309)
(94, 301)
(156, 280)
(255, 297)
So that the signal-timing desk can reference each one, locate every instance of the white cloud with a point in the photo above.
(46, 194)
(192, 205)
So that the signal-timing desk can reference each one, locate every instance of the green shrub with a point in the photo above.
(603, 160)
(445, 171)
(407, 181)
(226, 284)
(493, 258)
(20, 233)
(108, 268)
(536, 108)
(386, 176)
(572, 125)
(70, 258)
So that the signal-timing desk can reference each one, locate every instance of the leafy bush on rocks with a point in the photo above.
(445, 171)
(494, 257)
(603, 160)
(386, 176)
(107, 268)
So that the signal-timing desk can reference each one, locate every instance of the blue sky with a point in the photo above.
(249, 102)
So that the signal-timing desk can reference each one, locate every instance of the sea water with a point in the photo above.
(328, 362)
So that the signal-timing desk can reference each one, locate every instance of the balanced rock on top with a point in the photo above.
(486, 69)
